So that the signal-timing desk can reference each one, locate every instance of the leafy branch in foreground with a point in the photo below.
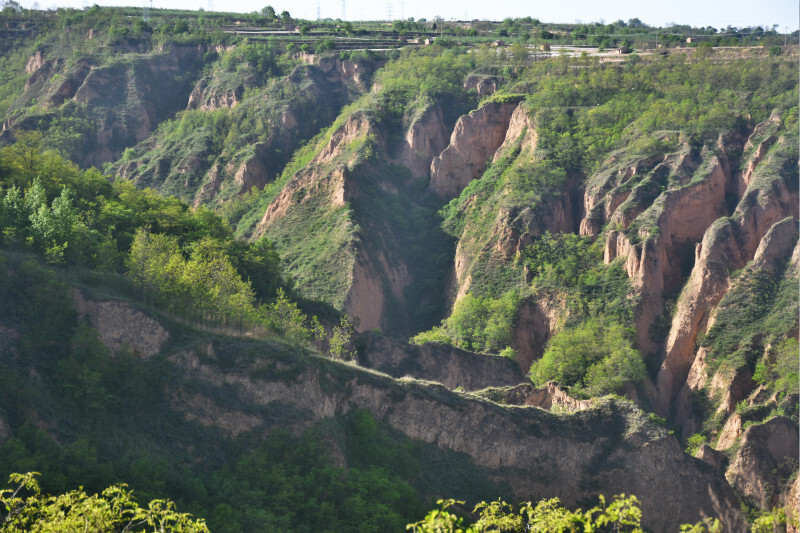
(25, 509)
(621, 515)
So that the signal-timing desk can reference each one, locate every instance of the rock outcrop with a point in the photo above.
(122, 326)
(610, 448)
(611, 187)
(730, 432)
(549, 397)
(447, 365)
(711, 456)
(519, 124)
(316, 176)
(367, 279)
(254, 172)
(768, 454)
(35, 62)
(124, 103)
(209, 94)
(536, 321)
(473, 142)
(368, 299)
(483, 85)
(426, 137)
(679, 219)
(508, 228)
(357, 75)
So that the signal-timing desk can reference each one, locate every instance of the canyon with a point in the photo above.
(411, 200)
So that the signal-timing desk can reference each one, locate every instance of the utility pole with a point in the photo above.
(343, 13)
(389, 11)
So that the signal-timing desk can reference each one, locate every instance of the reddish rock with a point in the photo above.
(473, 142)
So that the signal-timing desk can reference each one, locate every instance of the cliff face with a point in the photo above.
(125, 100)
(449, 366)
(725, 216)
(362, 277)
(608, 447)
(286, 111)
(517, 444)
(121, 326)
(474, 140)
(718, 254)
(656, 241)
(495, 224)
(766, 454)
(426, 137)
(728, 245)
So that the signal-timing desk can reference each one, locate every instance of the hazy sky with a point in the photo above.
(717, 13)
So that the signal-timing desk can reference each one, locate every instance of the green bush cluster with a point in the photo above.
(621, 514)
(479, 324)
(573, 265)
(597, 357)
(23, 508)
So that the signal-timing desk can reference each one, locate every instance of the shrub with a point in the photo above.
(694, 443)
(596, 356)
(480, 324)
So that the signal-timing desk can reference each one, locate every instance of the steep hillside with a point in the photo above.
(355, 226)
(92, 107)
(223, 398)
(241, 125)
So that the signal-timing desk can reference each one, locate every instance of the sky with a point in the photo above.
(716, 13)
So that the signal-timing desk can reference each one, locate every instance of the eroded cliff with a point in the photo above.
(608, 447)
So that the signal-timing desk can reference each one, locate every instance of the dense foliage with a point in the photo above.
(479, 324)
(24, 509)
(621, 514)
(596, 357)
(184, 261)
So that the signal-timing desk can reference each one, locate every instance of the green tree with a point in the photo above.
(14, 216)
(24, 509)
(269, 13)
(147, 263)
(595, 356)
(341, 341)
(286, 319)
(259, 263)
(480, 324)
